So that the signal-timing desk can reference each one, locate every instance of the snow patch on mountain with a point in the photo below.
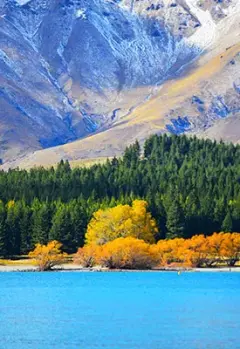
(211, 31)
(22, 2)
(67, 66)
(206, 34)
(81, 13)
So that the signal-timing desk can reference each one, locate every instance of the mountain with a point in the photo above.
(103, 73)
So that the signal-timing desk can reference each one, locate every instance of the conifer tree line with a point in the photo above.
(192, 186)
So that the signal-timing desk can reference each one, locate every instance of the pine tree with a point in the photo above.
(3, 232)
(12, 226)
(227, 223)
(175, 226)
(62, 229)
(78, 224)
(41, 223)
(25, 229)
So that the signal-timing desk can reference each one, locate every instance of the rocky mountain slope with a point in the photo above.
(109, 72)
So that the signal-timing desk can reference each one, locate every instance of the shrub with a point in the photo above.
(86, 256)
(48, 256)
(126, 253)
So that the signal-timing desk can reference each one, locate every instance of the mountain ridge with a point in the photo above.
(71, 106)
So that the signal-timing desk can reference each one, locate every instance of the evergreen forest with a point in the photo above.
(192, 186)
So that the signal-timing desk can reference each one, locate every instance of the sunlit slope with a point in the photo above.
(71, 69)
(175, 98)
(225, 129)
(175, 92)
(67, 66)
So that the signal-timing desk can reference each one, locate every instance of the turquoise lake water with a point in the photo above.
(139, 310)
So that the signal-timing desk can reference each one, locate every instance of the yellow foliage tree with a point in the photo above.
(10, 204)
(215, 242)
(126, 253)
(230, 248)
(86, 256)
(122, 221)
(48, 256)
(132, 253)
(195, 251)
(168, 251)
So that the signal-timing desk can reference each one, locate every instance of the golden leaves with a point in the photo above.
(122, 221)
(133, 253)
(86, 256)
(121, 253)
(47, 256)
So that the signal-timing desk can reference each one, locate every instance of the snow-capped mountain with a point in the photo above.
(73, 68)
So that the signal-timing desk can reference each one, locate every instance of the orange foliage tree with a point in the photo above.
(121, 253)
(86, 256)
(230, 248)
(48, 256)
(122, 221)
(195, 251)
(132, 253)
(215, 242)
(126, 253)
(168, 251)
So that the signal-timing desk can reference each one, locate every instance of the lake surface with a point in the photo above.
(147, 310)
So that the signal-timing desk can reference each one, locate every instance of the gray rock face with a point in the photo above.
(70, 68)
(64, 63)
(218, 99)
(215, 7)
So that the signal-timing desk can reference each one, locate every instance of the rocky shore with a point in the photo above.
(76, 268)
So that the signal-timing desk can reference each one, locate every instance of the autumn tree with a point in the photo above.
(132, 253)
(122, 221)
(48, 256)
(191, 185)
(168, 251)
(126, 253)
(86, 256)
(215, 242)
(195, 251)
(230, 248)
